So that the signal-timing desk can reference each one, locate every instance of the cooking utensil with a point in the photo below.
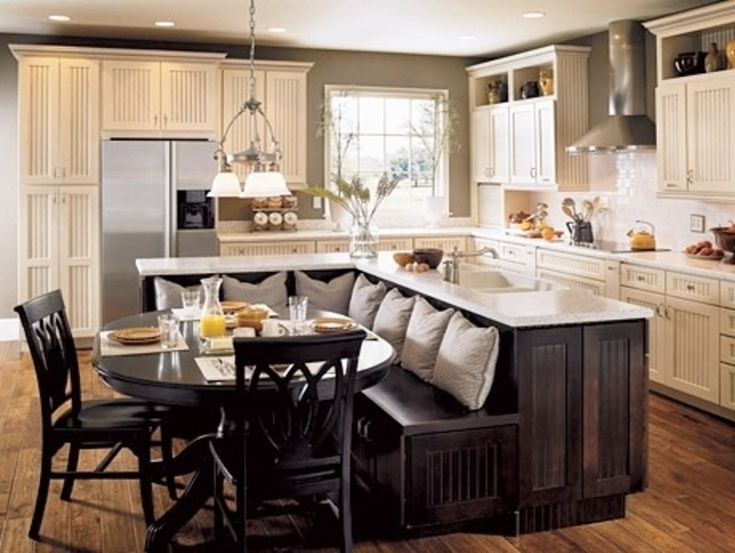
(568, 211)
(642, 236)
(587, 210)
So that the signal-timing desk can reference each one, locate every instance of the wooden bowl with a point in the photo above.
(403, 258)
(431, 256)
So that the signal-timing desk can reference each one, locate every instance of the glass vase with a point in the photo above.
(363, 240)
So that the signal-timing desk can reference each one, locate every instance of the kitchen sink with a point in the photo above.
(499, 282)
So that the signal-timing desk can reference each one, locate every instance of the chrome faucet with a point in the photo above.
(451, 265)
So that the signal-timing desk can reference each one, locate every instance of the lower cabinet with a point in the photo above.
(266, 248)
(446, 243)
(332, 246)
(655, 331)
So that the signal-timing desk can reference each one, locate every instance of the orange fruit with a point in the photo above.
(548, 233)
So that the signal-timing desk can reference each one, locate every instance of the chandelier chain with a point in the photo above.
(252, 48)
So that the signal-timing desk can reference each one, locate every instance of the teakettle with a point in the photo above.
(642, 236)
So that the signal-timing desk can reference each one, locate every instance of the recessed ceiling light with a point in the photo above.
(534, 15)
(164, 24)
(59, 18)
(467, 37)
(276, 29)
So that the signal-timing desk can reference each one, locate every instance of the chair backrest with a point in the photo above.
(53, 352)
(300, 390)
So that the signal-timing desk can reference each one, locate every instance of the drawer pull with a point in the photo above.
(641, 278)
(690, 287)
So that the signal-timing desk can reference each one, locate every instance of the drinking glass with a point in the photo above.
(190, 302)
(297, 306)
(168, 325)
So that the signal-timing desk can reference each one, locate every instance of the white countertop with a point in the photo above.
(670, 261)
(515, 309)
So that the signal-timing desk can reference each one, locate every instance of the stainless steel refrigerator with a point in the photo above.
(153, 205)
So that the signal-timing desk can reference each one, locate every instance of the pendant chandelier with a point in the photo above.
(264, 178)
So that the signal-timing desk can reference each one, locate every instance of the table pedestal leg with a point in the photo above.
(195, 496)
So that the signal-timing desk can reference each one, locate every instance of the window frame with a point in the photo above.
(442, 185)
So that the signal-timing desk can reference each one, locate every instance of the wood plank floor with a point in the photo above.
(689, 506)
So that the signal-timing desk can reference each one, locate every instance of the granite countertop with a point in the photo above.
(515, 309)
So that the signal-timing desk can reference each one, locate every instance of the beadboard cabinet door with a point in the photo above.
(189, 97)
(710, 128)
(285, 106)
(656, 328)
(481, 144)
(235, 92)
(544, 170)
(132, 95)
(59, 121)
(671, 137)
(692, 361)
(38, 241)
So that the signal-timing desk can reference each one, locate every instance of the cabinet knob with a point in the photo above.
(690, 287)
(155, 120)
(165, 121)
(640, 278)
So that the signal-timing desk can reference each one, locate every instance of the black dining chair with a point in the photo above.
(289, 433)
(104, 424)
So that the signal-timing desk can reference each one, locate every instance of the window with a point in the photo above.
(371, 131)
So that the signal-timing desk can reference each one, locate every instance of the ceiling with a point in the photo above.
(450, 27)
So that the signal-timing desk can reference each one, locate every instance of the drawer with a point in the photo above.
(727, 294)
(516, 254)
(574, 282)
(727, 386)
(333, 246)
(727, 349)
(727, 321)
(577, 265)
(705, 290)
(395, 244)
(267, 248)
(643, 278)
(479, 243)
(446, 243)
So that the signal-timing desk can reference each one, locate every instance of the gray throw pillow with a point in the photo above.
(270, 291)
(465, 364)
(365, 301)
(423, 336)
(327, 296)
(392, 317)
(168, 294)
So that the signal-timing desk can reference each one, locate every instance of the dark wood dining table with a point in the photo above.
(173, 378)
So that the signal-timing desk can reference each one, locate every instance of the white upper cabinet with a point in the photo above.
(159, 97)
(544, 171)
(533, 144)
(59, 122)
(481, 145)
(499, 144)
(281, 87)
(671, 137)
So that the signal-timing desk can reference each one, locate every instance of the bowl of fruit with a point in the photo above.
(704, 250)
(725, 238)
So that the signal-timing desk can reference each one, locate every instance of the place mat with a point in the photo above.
(110, 348)
(217, 369)
(183, 315)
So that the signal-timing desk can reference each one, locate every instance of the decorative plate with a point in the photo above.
(260, 218)
(334, 324)
(290, 218)
(705, 257)
(136, 336)
(275, 218)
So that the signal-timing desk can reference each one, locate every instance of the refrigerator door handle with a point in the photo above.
(169, 245)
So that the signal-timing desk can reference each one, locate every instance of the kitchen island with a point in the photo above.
(561, 440)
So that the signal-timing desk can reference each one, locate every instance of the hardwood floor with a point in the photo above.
(689, 505)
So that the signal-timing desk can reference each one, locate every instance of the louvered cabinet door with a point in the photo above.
(285, 105)
(79, 121)
(38, 101)
(692, 362)
(132, 95)
(656, 329)
(710, 140)
(37, 241)
(79, 256)
(235, 92)
(671, 137)
(189, 97)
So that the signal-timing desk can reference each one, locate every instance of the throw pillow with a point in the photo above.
(168, 294)
(392, 318)
(423, 336)
(365, 301)
(465, 364)
(328, 296)
(270, 291)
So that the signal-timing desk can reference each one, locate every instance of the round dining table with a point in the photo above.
(174, 378)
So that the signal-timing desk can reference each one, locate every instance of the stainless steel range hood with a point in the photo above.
(627, 128)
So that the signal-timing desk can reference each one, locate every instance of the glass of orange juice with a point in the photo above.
(212, 322)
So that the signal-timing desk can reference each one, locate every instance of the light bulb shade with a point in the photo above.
(262, 184)
(225, 185)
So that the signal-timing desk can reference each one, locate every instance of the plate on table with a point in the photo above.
(334, 324)
(136, 336)
(705, 257)
(233, 306)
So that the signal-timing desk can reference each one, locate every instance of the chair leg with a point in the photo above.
(218, 496)
(146, 491)
(71, 466)
(345, 514)
(167, 456)
(41, 496)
